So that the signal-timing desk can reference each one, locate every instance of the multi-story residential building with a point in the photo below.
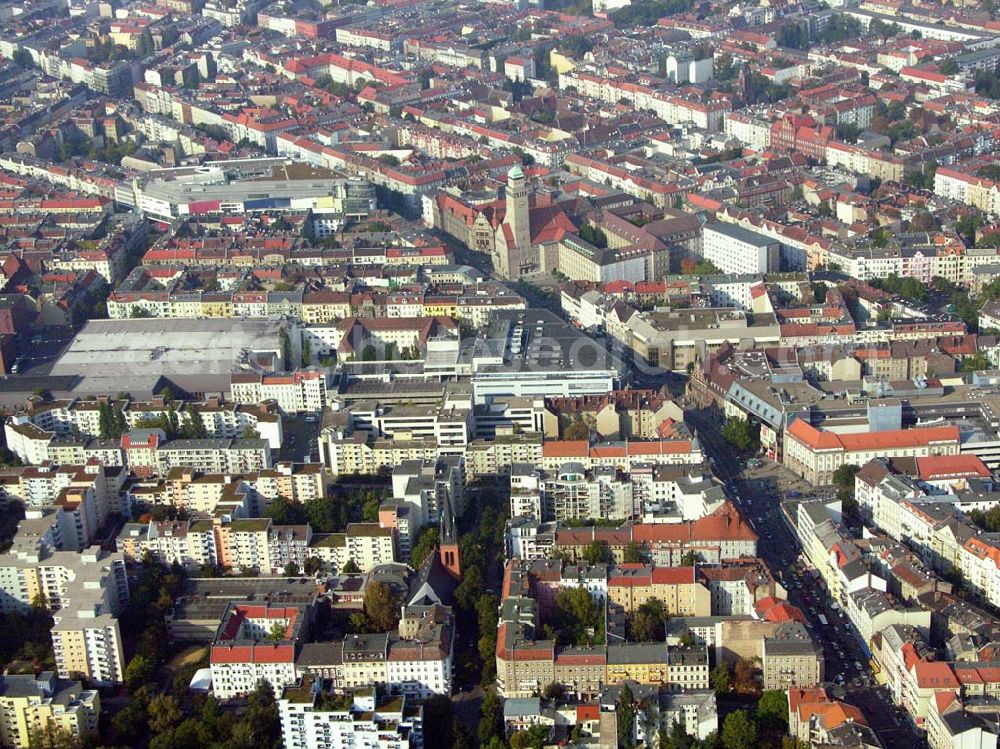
(205, 493)
(30, 706)
(524, 660)
(570, 493)
(295, 392)
(368, 545)
(951, 726)
(850, 579)
(210, 455)
(788, 662)
(713, 538)
(85, 590)
(678, 588)
(428, 484)
(631, 414)
(420, 665)
(815, 717)
(255, 642)
(733, 249)
(83, 418)
(314, 719)
(675, 449)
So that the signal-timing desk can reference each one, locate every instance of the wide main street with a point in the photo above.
(758, 493)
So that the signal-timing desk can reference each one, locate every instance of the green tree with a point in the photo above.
(689, 559)
(463, 735)
(138, 672)
(104, 420)
(306, 352)
(163, 713)
(843, 477)
(740, 433)
(649, 622)
(738, 731)
(720, 679)
(381, 607)
(286, 348)
(948, 67)
(596, 552)
(285, 512)
(577, 430)
(350, 568)
(976, 362)
(848, 132)
(594, 234)
(470, 587)
(625, 714)
(987, 520)
(743, 676)
(772, 709)
(633, 553)
(262, 725)
(968, 225)
(439, 715)
(648, 12)
(129, 724)
(427, 542)
(581, 622)
(23, 58)
(532, 738)
(554, 691)
(577, 45)
(325, 514)
(490, 717)
(291, 570)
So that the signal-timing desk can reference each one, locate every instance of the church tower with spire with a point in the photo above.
(448, 544)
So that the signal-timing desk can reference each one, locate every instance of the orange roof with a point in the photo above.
(943, 699)
(673, 575)
(819, 439)
(565, 449)
(951, 466)
(801, 696)
(839, 713)
(935, 675)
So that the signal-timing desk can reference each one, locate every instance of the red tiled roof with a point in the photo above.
(951, 466)
(935, 675)
(820, 439)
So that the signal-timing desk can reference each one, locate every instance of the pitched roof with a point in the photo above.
(820, 439)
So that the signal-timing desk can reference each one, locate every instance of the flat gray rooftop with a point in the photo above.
(112, 355)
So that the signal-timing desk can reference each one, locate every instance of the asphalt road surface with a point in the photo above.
(759, 493)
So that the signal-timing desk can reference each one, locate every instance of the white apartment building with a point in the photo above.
(525, 491)
(295, 392)
(573, 493)
(733, 249)
(246, 649)
(420, 669)
(753, 131)
(311, 719)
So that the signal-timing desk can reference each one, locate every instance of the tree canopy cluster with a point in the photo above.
(741, 434)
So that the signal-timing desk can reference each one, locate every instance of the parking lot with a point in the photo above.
(299, 443)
